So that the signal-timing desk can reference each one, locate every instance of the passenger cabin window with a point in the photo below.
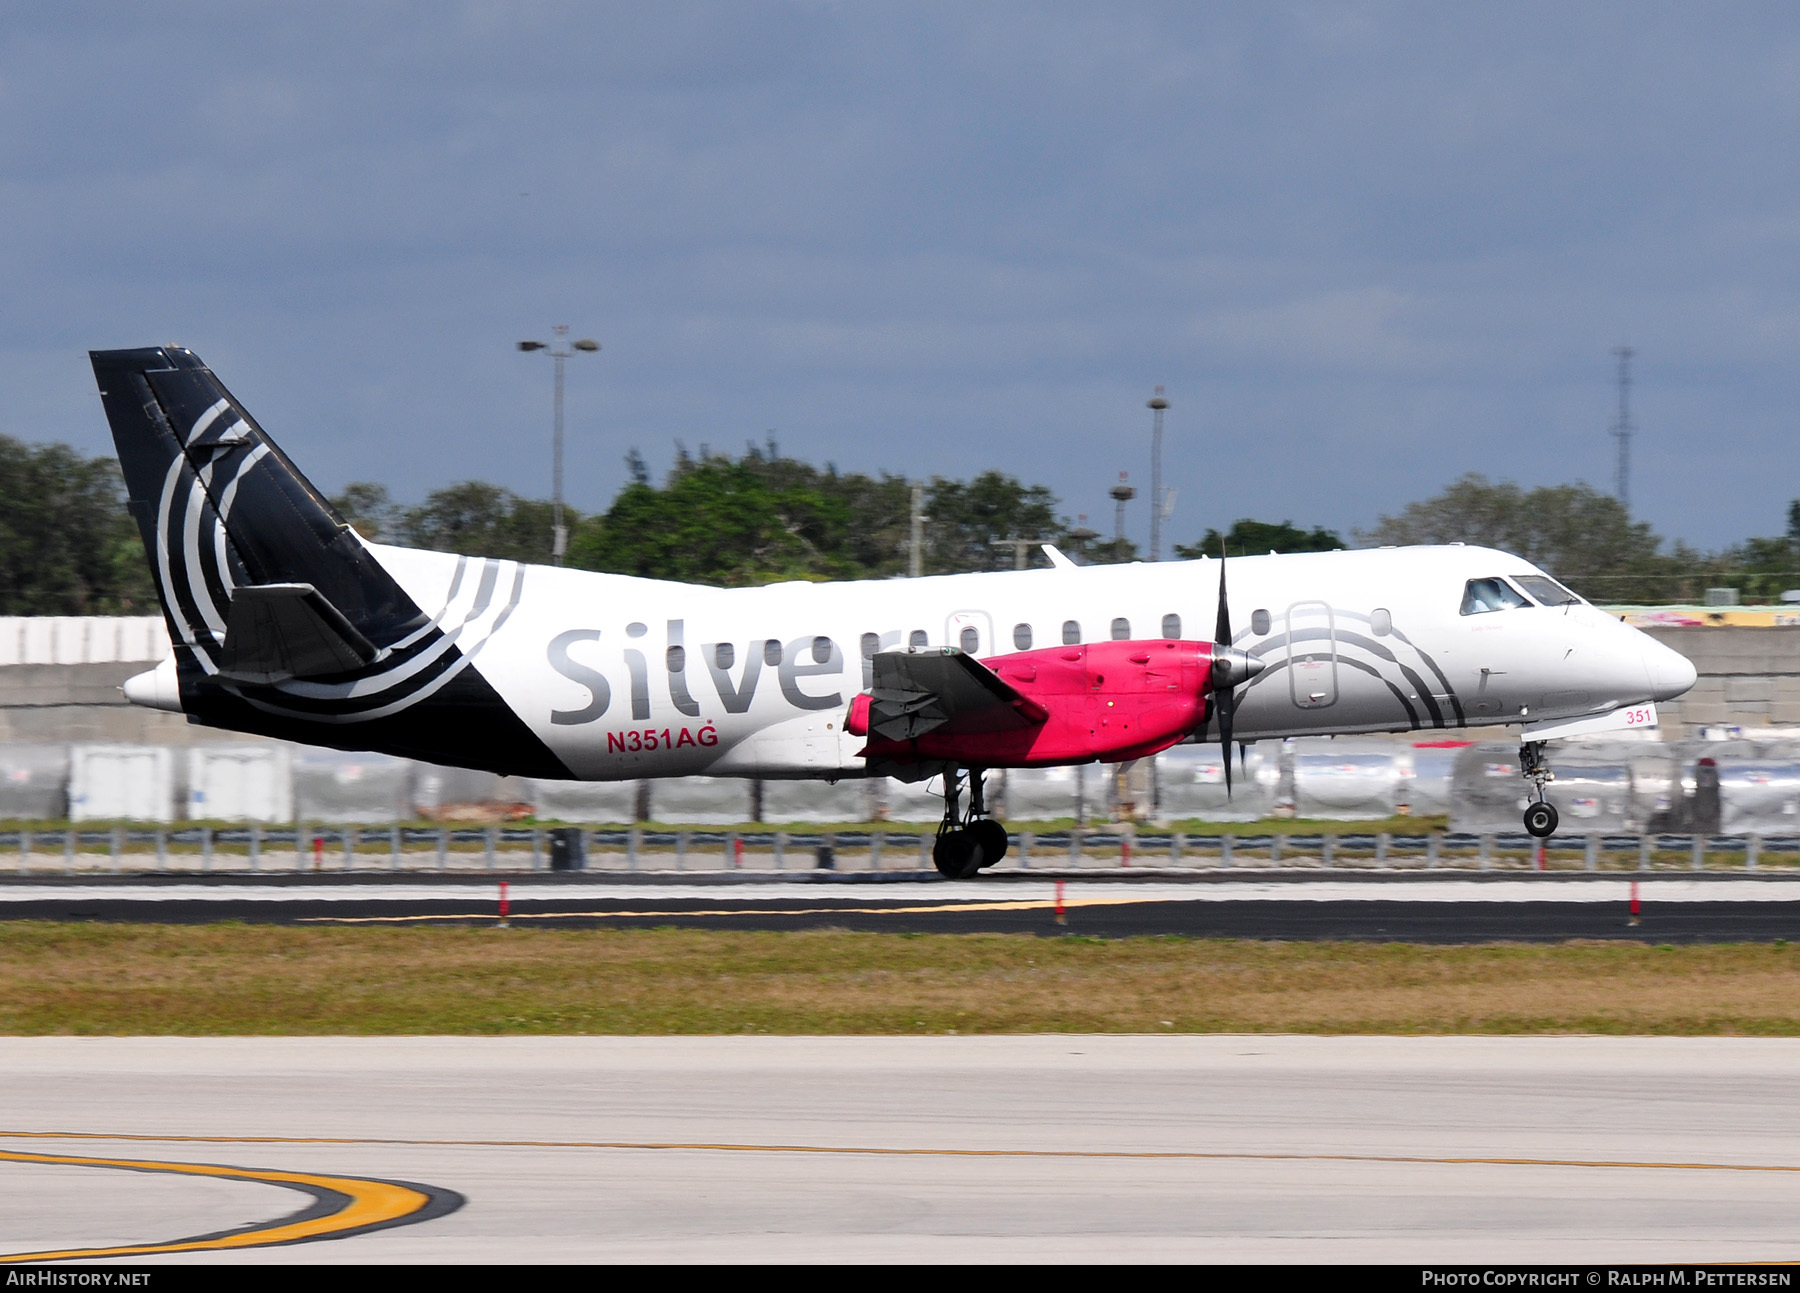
(1121, 629)
(821, 651)
(971, 641)
(724, 655)
(1171, 626)
(1259, 621)
(1483, 595)
(1547, 590)
(771, 652)
(1071, 633)
(871, 643)
(677, 658)
(1381, 621)
(916, 639)
(1022, 637)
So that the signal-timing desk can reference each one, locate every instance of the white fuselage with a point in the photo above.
(625, 678)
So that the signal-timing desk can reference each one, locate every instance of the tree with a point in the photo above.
(967, 519)
(1249, 538)
(68, 544)
(478, 520)
(1760, 569)
(764, 517)
(368, 508)
(717, 521)
(1106, 552)
(1578, 534)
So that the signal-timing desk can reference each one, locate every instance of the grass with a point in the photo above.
(232, 979)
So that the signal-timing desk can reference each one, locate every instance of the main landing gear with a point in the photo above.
(978, 841)
(1540, 815)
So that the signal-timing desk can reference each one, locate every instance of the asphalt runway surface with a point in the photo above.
(1402, 907)
(1015, 1149)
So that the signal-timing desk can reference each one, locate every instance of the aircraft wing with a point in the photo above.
(915, 692)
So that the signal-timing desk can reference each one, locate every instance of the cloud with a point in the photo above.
(1366, 247)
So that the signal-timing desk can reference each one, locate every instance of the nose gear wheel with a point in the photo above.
(1540, 814)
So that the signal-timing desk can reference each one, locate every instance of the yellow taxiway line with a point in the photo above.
(911, 909)
(1177, 1155)
(342, 1205)
(350, 1205)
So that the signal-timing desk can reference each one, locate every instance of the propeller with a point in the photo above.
(1223, 695)
(1230, 669)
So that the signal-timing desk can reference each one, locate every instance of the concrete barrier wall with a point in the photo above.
(1748, 676)
(82, 639)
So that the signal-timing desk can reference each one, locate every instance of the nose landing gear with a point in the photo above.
(978, 841)
(1540, 815)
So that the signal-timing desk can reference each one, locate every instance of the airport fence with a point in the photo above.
(393, 849)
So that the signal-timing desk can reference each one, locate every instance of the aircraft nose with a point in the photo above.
(1671, 673)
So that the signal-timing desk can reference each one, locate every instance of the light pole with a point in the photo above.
(1156, 406)
(915, 557)
(1122, 494)
(560, 349)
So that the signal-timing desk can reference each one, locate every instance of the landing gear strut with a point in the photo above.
(966, 844)
(1540, 816)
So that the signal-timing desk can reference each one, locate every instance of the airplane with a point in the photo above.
(288, 623)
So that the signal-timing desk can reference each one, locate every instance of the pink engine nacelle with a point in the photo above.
(1109, 701)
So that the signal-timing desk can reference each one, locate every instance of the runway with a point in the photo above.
(1402, 907)
(1039, 1149)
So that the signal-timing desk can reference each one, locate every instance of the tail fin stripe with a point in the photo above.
(206, 419)
(403, 671)
(298, 699)
(363, 716)
(400, 671)
(212, 583)
(385, 681)
(171, 594)
(226, 499)
(512, 604)
(436, 621)
(484, 593)
(223, 566)
(466, 659)
(190, 548)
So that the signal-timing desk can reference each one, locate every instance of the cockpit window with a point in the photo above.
(1483, 595)
(1546, 590)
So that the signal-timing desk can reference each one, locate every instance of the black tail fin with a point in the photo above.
(221, 507)
(283, 621)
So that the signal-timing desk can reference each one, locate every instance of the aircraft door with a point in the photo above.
(972, 631)
(1312, 655)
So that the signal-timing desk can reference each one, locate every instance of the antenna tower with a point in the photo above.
(1621, 429)
(1156, 406)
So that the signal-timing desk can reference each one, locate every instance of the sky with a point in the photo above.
(1365, 248)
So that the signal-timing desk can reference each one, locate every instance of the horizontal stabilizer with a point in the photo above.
(915, 692)
(281, 631)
